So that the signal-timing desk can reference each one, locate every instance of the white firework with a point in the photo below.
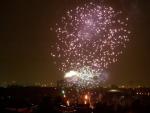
(89, 39)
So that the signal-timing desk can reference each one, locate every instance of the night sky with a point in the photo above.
(25, 40)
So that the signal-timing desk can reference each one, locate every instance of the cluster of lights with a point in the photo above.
(84, 97)
(143, 93)
(89, 39)
(86, 77)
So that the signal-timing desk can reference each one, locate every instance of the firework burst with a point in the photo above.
(89, 39)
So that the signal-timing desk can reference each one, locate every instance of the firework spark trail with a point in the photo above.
(90, 38)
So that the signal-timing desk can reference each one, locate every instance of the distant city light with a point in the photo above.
(85, 102)
(68, 103)
(86, 97)
(63, 92)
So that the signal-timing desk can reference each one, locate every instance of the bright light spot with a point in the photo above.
(71, 74)
(86, 97)
(85, 102)
(63, 92)
(68, 103)
(113, 90)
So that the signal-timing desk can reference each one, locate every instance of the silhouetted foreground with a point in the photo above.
(50, 100)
